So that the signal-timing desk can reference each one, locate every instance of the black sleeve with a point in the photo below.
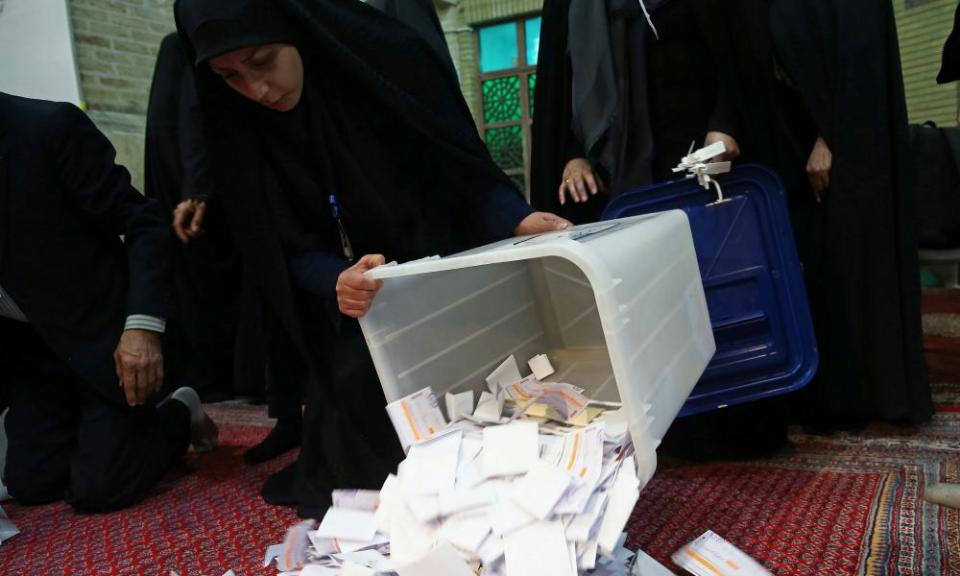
(499, 207)
(714, 19)
(101, 189)
(197, 180)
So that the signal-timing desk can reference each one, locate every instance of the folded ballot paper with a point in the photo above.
(711, 555)
(499, 493)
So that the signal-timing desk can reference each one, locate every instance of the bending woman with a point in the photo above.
(348, 143)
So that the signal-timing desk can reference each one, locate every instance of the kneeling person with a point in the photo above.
(81, 317)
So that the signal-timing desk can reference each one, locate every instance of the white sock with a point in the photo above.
(191, 400)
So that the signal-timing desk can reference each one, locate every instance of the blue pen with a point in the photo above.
(344, 239)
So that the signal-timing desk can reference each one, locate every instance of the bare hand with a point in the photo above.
(539, 223)
(818, 167)
(578, 180)
(188, 220)
(355, 291)
(733, 149)
(139, 363)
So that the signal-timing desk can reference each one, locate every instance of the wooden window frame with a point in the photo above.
(523, 70)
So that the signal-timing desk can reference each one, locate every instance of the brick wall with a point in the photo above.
(923, 27)
(460, 19)
(116, 43)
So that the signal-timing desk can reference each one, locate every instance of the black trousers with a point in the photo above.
(65, 441)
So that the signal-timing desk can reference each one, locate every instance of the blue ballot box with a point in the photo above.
(752, 279)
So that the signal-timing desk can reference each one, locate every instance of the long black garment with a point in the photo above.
(382, 126)
(832, 69)
(65, 441)
(645, 100)
(201, 328)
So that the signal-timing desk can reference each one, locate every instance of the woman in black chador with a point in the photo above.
(345, 142)
(824, 93)
(623, 89)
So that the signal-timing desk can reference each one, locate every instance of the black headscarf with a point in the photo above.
(215, 28)
(370, 86)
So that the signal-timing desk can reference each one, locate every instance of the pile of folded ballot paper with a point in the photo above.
(533, 480)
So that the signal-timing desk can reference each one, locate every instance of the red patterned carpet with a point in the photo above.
(832, 505)
(197, 524)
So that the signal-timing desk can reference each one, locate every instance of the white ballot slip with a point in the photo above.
(372, 559)
(367, 500)
(409, 539)
(347, 524)
(466, 531)
(505, 374)
(580, 528)
(623, 497)
(565, 401)
(582, 458)
(541, 489)
(492, 550)
(647, 566)
(459, 406)
(587, 558)
(540, 366)
(462, 500)
(711, 555)
(525, 390)
(507, 517)
(416, 418)
(431, 467)
(441, 561)
(390, 498)
(509, 450)
(539, 550)
(490, 406)
(351, 569)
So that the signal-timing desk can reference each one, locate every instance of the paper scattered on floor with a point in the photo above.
(711, 555)
(644, 565)
(494, 492)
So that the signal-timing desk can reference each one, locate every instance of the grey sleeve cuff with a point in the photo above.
(144, 322)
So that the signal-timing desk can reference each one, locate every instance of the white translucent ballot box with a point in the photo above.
(617, 306)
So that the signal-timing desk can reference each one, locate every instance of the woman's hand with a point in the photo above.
(539, 223)
(188, 220)
(578, 180)
(355, 292)
(733, 149)
(818, 167)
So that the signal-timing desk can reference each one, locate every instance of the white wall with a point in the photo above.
(36, 50)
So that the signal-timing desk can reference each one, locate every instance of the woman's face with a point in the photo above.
(270, 74)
